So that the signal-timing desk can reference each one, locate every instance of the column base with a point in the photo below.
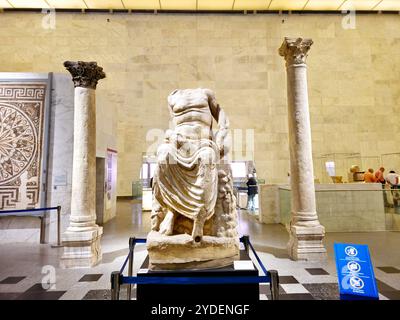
(82, 249)
(305, 243)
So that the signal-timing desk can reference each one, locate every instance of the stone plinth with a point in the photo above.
(305, 243)
(81, 249)
(182, 252)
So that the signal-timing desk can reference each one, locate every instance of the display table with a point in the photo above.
(147, 198)
(248, 292)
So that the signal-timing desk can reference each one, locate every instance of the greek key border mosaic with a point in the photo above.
(22, 107)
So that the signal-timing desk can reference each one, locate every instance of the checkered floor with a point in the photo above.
(23, 265)
(290, 288)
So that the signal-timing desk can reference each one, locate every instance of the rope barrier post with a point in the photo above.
(42, 218)
(58, 245)
(59, 226)
(246, 239)
(274, 284)
(42, 228)
(115, 285)
(132, 243)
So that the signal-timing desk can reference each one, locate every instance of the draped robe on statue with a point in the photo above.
(195, 182)
(185, 181)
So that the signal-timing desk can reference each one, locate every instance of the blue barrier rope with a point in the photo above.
(140, 240)
(126, 261)
(28, 210)
(194, 280)
(137, 240)
(258, 260)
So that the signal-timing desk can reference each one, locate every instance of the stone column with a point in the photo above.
(82, 238)
(306, 233)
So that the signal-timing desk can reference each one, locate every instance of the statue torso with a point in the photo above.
(191, 113)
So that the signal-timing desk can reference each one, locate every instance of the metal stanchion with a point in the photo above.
(274, 284)
(117, 278)
(42, 229)
(42, 218)
(132, 242)
(245, 239)
(58, 245)
(59, 225)
(115, 285)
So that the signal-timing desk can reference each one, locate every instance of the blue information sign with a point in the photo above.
(355, 272)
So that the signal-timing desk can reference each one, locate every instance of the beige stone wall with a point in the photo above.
(354, 75)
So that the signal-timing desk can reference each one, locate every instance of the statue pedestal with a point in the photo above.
(248, 292)
(306, 243)
(81, 249)
(181, 252)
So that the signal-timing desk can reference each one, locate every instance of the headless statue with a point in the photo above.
(191, 186)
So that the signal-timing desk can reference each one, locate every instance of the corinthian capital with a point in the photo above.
(85, 74)
(295, 50)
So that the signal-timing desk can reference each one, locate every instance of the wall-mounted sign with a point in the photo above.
(355, 272)
(60, 180)
(111, 178)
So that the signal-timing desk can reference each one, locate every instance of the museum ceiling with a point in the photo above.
(207, 5)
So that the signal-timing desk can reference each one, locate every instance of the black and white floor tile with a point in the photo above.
(290, 288)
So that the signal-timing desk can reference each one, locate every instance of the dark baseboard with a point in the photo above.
(125, 198)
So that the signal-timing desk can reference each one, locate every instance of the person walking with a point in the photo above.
(379, 176)
(252, 190)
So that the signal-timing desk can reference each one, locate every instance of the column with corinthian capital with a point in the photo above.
(306, 232)
(82, 238)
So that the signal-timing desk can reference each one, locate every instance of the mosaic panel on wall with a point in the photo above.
(22, 108)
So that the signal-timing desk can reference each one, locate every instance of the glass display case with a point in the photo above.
(350, 207)
(149, 164)
(347, 167)
(327, 166)
(137, 189)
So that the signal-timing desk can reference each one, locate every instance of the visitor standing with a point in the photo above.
(380, 179)
(379, 175)
(369, 176)
(252, 190)
(392, 179)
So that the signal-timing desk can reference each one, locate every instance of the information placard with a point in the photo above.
(355, 272)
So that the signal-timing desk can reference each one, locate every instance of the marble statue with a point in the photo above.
(194, 216)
